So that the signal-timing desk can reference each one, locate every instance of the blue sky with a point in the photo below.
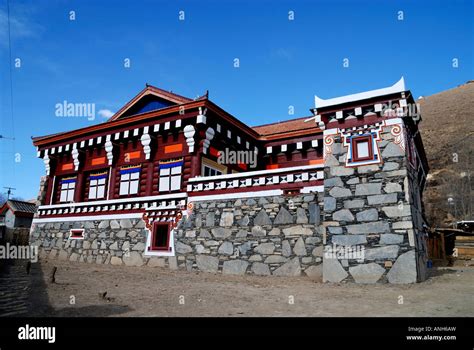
(282, 62)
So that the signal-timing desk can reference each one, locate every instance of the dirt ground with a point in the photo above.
(146, 291)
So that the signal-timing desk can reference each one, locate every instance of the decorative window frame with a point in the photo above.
(96, 176)
(170, 164)
(67, 180)
(350, 138)
(77, 233)
(132, 169)
(148, 245)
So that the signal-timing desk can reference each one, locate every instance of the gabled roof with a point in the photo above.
(285, 127)
(395, 88)
(18, 207)
(149, 90)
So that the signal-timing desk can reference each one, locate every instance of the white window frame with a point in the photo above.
(96, 185)
(66, 192)
(170, 179)
(129, 183)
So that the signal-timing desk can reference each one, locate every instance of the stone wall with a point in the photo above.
(369, 206)
(108, 241)
(278, 235)
(264, 236)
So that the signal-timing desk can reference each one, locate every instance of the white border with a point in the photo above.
(157, 252)
(180, 195)
(235, 195)
(88, 218)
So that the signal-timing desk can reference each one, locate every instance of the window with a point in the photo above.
(161, 237)
(212, 168)
(129, 180)
(97, 185)
(76, 234)
(68, 186)
(362, 148)
(170, 175)
(210, 171)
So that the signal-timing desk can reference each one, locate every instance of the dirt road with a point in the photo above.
(79, 291)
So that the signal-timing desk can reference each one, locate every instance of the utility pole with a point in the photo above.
(9, 192)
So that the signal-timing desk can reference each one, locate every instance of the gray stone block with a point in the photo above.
(227, 219)
(354, 204)
(391, 238)
(226, 248)
(314, 213)
(260, 269)
(262, 219)
(343, 215)
(387, 252)
(181, 248)
(290, 268)
(367, 273)
(221, 233)
(286, 248)
(207, 263)
(382, 199)
(368, 215)
(234, 267)
(300, 248)
(404, 269)
(329, 204)
(339, 192)
(283, 217)
(347, 240)
(397, 210)
(265, 248)
(368, 189)
(392, 150)
(333, 271)
(370, 227)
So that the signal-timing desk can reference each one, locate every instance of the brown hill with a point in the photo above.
(447, 130)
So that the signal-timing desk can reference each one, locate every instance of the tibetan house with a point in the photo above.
(179, 182)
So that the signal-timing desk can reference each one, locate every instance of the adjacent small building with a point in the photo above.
(15, 214)
(179, 182)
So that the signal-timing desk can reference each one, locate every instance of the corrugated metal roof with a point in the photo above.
(24, 207)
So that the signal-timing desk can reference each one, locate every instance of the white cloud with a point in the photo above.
(20, 27)
(105, 113)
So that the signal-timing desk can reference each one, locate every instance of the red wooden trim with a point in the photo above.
(167, 247)
(358, 139)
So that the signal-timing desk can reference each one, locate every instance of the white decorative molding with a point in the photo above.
(109, 147)
(145, 140)
(47, 161)
(189, 132)
(207, 142)
(201, 117)
(75, 157)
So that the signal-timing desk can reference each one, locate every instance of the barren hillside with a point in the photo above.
(448, 135)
